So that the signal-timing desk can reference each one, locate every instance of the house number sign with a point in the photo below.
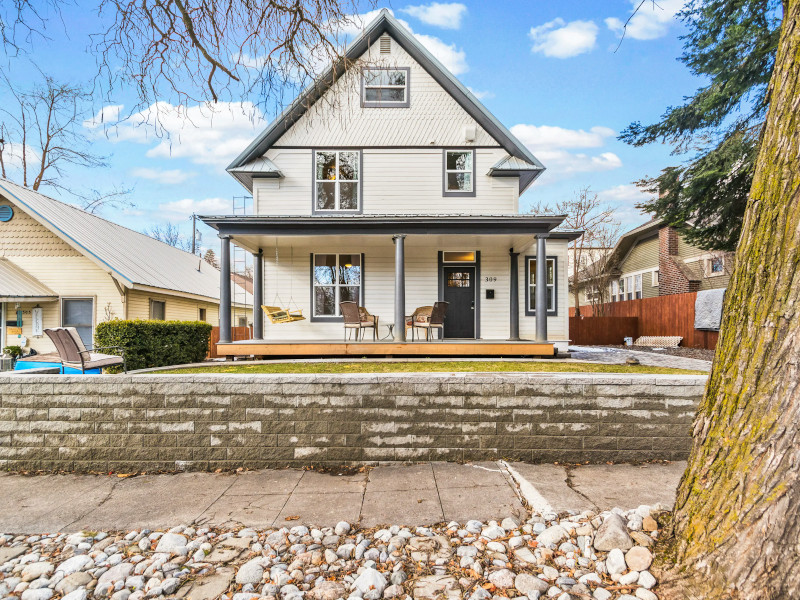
(489, 279)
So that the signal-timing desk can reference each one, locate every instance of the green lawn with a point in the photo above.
(484, 366)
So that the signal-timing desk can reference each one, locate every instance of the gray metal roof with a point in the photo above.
(132, 258)
(513, 163)
(256, 168)
(18, 286)
(386, 23)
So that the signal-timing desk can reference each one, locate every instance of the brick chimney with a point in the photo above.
(674, 277)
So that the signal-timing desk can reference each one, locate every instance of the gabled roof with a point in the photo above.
(133, 259)
(386, 23)
(18, 286)
(628, 239)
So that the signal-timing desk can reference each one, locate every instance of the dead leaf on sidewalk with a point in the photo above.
(292, 518)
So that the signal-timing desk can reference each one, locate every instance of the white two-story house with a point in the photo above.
(389, 184)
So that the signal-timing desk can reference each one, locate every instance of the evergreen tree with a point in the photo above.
(732, 44)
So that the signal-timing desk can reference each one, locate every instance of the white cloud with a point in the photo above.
(449, 55)
(445, 15)
(651, 21)
(550, 144)
(560, 163)
(481, 95)
(208, 134)
(453, 58)
(623, 199)
(105, 116)
(183, 209)
(547, 136)
(560, 39)
(171, 177)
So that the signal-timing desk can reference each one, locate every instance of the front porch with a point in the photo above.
(386, 348)
(483, 267)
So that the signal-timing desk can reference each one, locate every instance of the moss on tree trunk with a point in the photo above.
(736, 525)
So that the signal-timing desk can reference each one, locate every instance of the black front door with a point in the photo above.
(459, 291)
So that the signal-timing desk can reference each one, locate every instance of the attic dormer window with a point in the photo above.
(385, 88)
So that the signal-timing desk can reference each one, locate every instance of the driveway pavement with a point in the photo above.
(618, 356)
(420, 494)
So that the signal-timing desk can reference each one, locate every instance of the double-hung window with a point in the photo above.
(614, 290)
(530, 285)
(638, 286)
(337, 180)
(385, 88)
(621, 289)
(459, 173)
(79, 313)
(337, 278)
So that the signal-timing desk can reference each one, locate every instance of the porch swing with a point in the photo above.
(276, 314)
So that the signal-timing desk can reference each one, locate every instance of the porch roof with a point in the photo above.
(18, 286)
(431, 224)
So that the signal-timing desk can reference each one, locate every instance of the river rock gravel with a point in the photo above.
(567, 556)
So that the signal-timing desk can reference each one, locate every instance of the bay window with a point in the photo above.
(337, 180)
(530, 286)
(336, 278)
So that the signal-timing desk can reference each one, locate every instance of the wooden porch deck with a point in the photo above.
(455, 348)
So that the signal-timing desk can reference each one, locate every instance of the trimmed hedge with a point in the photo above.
(156, 343)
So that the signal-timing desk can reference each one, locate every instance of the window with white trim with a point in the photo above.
(637, 289)
(337, 180)
(79, 313)
(614, 290)
(655, 278)
(715, 266)
(336, 278)
(530, 285)
(459, 172)
(385, 88)
(158, 310)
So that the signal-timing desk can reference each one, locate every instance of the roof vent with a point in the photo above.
(386, 44)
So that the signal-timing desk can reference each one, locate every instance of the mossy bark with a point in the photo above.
(736, 525)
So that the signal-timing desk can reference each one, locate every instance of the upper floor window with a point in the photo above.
(337, 180)
(459, 173)
(715, 266)
(385, 88)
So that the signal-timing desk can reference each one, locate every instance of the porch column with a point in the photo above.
(399, 288)
(541, 288)
(224, 289)
(258, 295)
(514, 290)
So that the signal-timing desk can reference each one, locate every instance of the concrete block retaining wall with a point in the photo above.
(130, 423)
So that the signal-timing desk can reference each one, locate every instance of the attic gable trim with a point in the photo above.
(75, 244)
(385, 23)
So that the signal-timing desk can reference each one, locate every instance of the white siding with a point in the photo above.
(292, 278)
(393, 181)
(433, 118)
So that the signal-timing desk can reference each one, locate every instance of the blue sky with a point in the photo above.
(548, 70)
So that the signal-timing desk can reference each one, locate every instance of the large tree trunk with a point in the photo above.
(737, 519)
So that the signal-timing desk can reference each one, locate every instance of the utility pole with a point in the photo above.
(194, 232)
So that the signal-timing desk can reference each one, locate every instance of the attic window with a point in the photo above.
(386, 44)
(385, 88)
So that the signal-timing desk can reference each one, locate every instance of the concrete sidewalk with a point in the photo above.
(420, 494)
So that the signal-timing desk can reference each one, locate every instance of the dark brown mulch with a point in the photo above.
(699, 353)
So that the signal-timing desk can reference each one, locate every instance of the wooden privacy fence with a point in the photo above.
(662, 315)
(237, 333)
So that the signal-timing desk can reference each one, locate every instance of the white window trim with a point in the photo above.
(445, 172)
(654, 278)
(530, 291)
(337, 181)
(337, 285)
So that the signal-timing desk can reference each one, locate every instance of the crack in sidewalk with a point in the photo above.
(114, 485)
(568, 480)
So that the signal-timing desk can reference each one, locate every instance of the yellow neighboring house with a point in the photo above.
(62, 266)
